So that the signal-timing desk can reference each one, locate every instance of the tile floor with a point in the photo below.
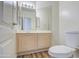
(43, 54)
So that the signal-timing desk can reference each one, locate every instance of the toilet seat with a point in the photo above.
(61, 51)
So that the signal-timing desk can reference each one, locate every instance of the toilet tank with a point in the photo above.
(72, 39)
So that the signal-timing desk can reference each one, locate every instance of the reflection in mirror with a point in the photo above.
(26, 24)
(26, 16)
(34, 18)
(37, 23)
(44, 18)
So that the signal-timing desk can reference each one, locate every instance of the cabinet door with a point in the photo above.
(27, 42)
(44, 40)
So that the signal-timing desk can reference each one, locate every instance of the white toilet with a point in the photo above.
(67, 50)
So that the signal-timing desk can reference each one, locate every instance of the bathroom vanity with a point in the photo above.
(33, 29)
(32, 41)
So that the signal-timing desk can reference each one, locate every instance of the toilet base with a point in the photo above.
(60, 57)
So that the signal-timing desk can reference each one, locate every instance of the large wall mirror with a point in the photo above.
(32, 17)
(26, 16)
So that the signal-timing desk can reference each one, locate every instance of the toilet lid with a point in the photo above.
(61, 49)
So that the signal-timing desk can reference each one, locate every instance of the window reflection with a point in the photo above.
(26, 24)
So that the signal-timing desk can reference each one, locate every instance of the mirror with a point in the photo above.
(31, 17)
(26, 16)
(44, 18)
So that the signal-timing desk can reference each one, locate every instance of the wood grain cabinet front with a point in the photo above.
(44, 40)
(32, 41)
(26, 42)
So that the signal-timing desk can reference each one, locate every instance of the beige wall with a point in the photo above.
(69, 18)
(55, 24)
(64, 19)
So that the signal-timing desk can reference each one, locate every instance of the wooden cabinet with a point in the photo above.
(26, 42)
(43, 40)
(32, 41)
